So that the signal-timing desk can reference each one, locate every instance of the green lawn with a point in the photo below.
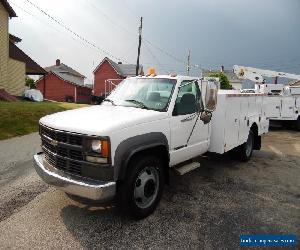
(20, 118)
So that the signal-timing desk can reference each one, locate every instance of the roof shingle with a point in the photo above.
(64, 68)
(67, 73)
(124, 70)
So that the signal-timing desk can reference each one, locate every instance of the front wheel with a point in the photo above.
(141, 191)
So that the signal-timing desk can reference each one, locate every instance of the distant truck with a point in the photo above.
(283, 103)
(123, 149)
(283, 100)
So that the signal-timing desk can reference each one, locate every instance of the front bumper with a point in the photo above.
(80, 186)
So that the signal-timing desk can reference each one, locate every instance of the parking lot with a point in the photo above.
(205, 209)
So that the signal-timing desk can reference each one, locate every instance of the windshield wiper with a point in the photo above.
(109, 100)
(142, 105)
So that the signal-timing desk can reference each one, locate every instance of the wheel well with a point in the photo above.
(161, 152)
(257, 138)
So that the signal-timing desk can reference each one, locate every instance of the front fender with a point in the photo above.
(127, 148)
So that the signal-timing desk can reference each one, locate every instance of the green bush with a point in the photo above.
(29, 82)
(225, 84)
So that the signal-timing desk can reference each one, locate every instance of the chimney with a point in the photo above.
(119, 62)
(57, 62)
(222, 68)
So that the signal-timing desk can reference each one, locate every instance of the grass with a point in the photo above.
(21, 118)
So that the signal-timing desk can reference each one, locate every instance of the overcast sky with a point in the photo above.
(258, 33)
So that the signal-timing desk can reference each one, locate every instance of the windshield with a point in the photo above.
(146, 93)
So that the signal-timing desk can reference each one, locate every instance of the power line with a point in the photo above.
(74, 33)
(180, 61)
(30, 14)
(109, 19)
(80, 41)
(154, 57)
(165, 52)
(45, 23)
(129, 10)
(133, 34)
(130, 49)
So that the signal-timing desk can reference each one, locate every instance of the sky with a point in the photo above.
(257, 33)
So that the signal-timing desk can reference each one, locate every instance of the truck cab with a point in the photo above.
(124, 147)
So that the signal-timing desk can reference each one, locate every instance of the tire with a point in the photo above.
(139, 194)
(244, 152)
(298, 123)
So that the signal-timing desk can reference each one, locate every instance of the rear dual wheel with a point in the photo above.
(298, 123)
(244, 151)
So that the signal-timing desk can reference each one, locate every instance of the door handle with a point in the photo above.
(190, 118)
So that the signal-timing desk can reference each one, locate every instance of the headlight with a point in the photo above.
(96, 146)
(98, 150)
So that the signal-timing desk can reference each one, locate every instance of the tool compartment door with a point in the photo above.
(287, 107)
(273, 107)
(243, 120)
(232, 122)
(297, 102)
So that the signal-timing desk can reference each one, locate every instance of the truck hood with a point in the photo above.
(100, 120)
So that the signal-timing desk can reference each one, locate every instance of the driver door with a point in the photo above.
(189, 135)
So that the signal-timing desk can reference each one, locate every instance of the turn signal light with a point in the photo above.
(104, 149)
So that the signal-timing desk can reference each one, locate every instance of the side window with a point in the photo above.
(189, 99)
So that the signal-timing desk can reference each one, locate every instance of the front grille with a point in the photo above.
(63, 150)
(61, 136)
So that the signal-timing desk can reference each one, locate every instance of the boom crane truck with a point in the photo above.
(123, 149)
(283, 101)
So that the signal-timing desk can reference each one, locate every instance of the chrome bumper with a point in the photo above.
(83, 187)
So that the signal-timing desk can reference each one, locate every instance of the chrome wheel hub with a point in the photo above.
(146, 187)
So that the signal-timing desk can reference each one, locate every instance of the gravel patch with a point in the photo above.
(206, 209)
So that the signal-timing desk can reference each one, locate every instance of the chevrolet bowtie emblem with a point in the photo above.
(54, 142)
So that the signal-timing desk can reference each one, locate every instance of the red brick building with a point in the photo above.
(108, 69)
(62, 83)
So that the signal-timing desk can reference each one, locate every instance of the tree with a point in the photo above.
(29, 82)
(225, 84)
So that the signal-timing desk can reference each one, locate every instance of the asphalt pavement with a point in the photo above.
(207, 208)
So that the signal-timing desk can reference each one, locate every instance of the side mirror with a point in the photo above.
(211, 96)
(206, 116)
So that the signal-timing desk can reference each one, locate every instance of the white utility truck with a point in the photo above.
(283, 101)
(123, 148)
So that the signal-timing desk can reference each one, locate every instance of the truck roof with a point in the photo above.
(236, 93)
(176, 77)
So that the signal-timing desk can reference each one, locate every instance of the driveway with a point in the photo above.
(205, 209)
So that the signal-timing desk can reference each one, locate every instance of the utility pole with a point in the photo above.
(188, 63)
(139, 48)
